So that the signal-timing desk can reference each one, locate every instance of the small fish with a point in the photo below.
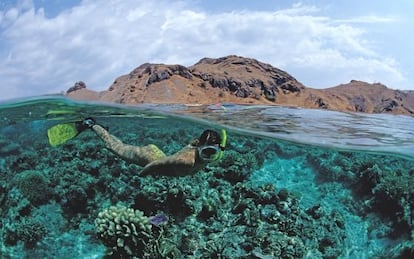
(158, 220)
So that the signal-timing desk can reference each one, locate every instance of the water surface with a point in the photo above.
(292, 183)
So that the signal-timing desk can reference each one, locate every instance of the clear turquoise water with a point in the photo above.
(357, 166)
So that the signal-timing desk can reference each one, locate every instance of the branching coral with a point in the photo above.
(130, 234)
(29, 230)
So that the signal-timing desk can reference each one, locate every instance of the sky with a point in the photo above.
(48, 45)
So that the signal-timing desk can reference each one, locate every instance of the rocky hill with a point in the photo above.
(245, 81)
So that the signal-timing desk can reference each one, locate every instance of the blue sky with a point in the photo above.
(48, 45)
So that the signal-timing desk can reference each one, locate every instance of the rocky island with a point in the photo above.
(241, 80)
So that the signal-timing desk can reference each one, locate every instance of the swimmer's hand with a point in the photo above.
(89, 122)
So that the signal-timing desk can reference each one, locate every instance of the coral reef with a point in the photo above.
(264, 199)
(377, 187)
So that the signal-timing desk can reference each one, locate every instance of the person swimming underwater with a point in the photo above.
(189, 160)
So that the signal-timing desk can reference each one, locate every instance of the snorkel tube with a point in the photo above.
(223, 139)
(222, 145)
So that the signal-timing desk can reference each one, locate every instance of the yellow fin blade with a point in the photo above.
(61, 133)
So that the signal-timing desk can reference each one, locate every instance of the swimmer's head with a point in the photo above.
(211, 145)
(209, 137)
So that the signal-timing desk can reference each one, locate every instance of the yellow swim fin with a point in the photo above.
(61, 133)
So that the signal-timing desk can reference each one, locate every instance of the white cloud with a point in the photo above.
(100, 40)
(369, 19)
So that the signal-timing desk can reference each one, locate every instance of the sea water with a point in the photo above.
(292, 183)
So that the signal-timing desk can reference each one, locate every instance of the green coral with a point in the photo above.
(34, 186)
(394, 197)
(124, 230)
(29, 230)
(237, 167)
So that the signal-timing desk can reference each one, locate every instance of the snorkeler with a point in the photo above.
(190, 159)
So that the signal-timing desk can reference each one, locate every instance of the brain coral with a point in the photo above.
(126, 231)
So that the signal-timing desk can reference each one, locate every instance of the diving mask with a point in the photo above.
(210, 153)
(213, 152)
